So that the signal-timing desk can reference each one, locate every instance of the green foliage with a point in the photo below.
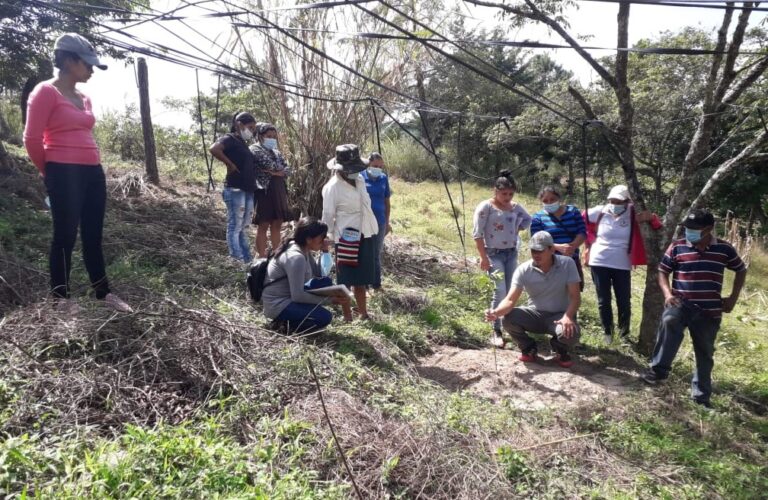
(514, 464)
(179, 151)
(29, 32)
(188, 460)
(408, 161)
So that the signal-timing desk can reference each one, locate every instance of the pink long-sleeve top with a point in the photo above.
(57, 130)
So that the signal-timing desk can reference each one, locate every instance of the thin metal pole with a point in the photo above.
(376, 124)
(584, 162)
(208, 162)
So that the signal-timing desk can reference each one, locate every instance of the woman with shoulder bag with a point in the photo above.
(285, 296)
(351, 223)
(614, 245)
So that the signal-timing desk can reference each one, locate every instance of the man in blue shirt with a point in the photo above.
(377, 185)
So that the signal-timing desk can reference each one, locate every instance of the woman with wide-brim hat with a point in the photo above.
(351, 223)
(59, 139)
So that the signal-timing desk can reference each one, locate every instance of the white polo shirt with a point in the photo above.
(611, 247)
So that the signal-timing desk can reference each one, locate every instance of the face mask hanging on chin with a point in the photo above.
(246, 134)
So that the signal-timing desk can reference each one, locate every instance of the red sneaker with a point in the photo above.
(529, 356)
(564, 360)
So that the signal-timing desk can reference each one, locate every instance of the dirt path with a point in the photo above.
(530, 386)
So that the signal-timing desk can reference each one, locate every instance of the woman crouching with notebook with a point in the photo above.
(286, 297)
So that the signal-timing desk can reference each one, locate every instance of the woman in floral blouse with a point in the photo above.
(496, 224)
(271, 196)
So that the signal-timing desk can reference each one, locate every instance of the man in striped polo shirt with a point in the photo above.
(697, 264)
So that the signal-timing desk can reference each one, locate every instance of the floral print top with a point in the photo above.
(266, 160)
(498, 228)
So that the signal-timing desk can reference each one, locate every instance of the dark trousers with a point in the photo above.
(78, 196)
(670, 335)
(522, 320)
(606, 278)
(305, 318)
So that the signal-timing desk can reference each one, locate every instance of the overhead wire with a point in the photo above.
(680, 3)
(471, 67)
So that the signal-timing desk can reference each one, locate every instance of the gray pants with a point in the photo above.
(527, 319)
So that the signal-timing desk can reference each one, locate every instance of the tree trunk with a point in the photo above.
(150, 155)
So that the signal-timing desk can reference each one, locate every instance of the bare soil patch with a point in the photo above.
(529, 386)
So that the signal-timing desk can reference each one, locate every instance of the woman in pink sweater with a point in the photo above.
(59, 140)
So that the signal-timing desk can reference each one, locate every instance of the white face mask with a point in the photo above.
(246, 134)
(375, 172)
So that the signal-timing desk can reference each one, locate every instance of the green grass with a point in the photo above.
(422, 212)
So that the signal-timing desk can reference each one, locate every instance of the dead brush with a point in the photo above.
(390, 456)
(743, 237)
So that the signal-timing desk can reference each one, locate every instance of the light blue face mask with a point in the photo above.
(551, 208)
(617, 209)
(375, 172)
(693, 235)
(269, 143)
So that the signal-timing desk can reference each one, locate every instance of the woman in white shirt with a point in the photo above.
(614, 245)
(351, 223)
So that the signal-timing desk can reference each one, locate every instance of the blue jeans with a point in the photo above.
(379, 241)
(505, 261)
(604, 279)
(303, 318)
(239, 212)
(703, 330)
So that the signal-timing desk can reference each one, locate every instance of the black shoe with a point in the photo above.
(278, 326)
(706, 404)
(652, 378)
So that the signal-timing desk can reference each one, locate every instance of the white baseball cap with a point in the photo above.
(619, 192)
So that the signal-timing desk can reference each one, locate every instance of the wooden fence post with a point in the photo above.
(150, 155)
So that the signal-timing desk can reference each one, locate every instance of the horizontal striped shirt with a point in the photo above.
(697, 276)
(563, 229)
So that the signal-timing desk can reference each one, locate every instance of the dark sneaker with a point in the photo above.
(564, 360)
(529, 356)
(278, 326)
(704, 403)
(497, 339)
(652, 378)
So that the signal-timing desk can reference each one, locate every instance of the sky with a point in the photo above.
(111, 90)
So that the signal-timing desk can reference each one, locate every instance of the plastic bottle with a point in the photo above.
(326, 263)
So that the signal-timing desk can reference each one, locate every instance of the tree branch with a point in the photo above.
(717, 59)
(582, 102)
(536, 15)
(728, 167)
(755, 73)
(729, 73)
